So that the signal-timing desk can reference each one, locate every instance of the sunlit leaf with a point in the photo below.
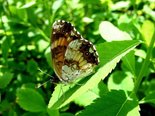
(109, 32)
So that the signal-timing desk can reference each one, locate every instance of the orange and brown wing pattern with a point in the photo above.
(80, 60)
(62, 34)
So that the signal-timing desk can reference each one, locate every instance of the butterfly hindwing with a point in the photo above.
(80, 60)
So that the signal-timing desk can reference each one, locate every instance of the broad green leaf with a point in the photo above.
(5, 79)
(109, 32)
(30, 100)
(121, 81)
(150, 98)
(115, 103)
(58, 96)
(147, 31)
(88, 97)
(109, 54)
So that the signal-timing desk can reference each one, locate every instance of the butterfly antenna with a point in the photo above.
(38, 86)
(45, 73)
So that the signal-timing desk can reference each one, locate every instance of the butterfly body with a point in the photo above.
(72, 56)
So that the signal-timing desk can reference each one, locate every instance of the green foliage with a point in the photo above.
(30, 100)
(108, 62)
(120, 105)
(5, 79)
(124, 35)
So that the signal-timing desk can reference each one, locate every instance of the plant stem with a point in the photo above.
(145, 64)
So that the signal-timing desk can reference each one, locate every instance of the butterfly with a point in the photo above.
(73, 56)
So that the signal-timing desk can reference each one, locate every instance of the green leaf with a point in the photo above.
(120, 5)
(115, 103)
(111, 51)
(140, 53)
(6, 44)
(4, 105)
(53, 112)
(32, 67)
(111, 33)
(56, 5)
(88, 97)
(90, 1)
(30, 100)
(147, 31)
(150, 98)
(28, 4)
(34, 114)
(66, 114)
(58, 96)
(5, 79)
(129, 62)
(109, 54)
(121, 81)
(42, 45)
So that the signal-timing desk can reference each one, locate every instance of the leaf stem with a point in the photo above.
(145, 64)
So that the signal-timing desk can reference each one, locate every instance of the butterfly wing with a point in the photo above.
(80, 59)
(62, 34)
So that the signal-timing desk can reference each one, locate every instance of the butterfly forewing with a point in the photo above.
(62, 34)
(72, 56)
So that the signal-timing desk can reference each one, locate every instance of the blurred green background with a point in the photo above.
(25, 30)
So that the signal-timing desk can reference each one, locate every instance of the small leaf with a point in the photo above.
(111, 33)
(32, 67)
(5, 79)
(115, 103)
(29, 4)
(121, 81)
(121, 5)
(147, 31)
(53, 112)
(42, 45)
(56, 5)
(6, 44)
(30, 100)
